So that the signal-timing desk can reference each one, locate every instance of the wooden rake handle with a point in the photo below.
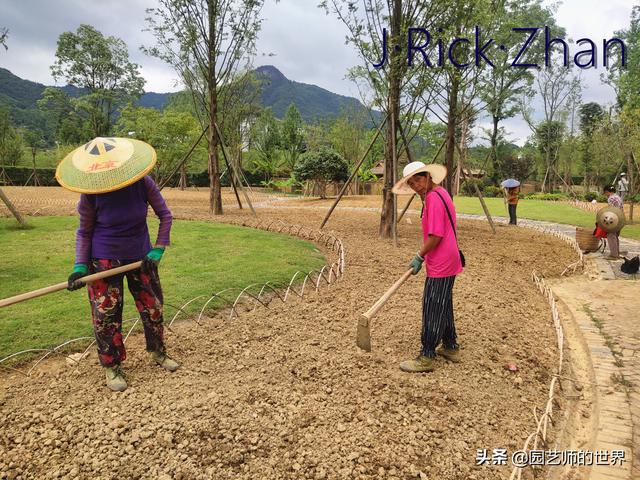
(62, 286)
(384, 298)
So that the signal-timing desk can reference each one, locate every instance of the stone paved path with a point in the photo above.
(607, 310)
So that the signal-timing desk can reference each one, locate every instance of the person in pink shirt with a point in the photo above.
(443, 261)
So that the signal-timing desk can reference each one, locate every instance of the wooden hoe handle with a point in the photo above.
(383, 299)
(61, 286)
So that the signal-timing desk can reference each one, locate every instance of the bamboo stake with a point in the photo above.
(353, 174)
(232, 169)
(480, 197)
(184, 159)
(394, 158)
(12, 209)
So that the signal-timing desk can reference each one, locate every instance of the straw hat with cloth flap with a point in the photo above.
(116, 192)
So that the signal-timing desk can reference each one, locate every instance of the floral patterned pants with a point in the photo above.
(106, 299)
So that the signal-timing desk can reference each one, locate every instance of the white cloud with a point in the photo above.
(308, 44)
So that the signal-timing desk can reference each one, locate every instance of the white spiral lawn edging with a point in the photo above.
(327, 275)
(542, 422)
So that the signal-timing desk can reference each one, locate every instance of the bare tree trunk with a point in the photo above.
(451, 134)
(546, 175)
(36, 180)
(183, 177)
(393, 105)
(12, 209)
(215, 196)
(494, 149)
(462, 151)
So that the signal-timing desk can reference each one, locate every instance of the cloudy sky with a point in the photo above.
(297, 37)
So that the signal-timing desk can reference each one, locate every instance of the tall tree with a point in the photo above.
(554, 84)
(347, 134)
(240, 103)
(292, 136)
(10, 140)
(549, 137)
(62, 118)
(395, 88)
(206, 41)
(266, 139)
(458, 85)
(100, 65)
(625, 79)
(33, 139)
(502, 85)
(591, 116)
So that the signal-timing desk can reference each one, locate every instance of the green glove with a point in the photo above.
(152, 259)
(155, 254)
(416, 263)
(79, 271)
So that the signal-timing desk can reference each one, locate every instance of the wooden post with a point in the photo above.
(12, 209)
(353, 174)
(184, 159)
(232, 170)
(504, 195)
(394, 154)
(232, 181)
(484, 205)
(406, 207)
(434, 159)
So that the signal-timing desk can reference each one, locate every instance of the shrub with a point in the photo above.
(321, 166)
(468, 188)
(492, 191)
(551, 197)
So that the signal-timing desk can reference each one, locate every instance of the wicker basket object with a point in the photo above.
(586, 240)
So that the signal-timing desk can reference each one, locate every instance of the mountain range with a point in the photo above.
(313, 102)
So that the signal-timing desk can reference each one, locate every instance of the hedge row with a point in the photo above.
(47, 177)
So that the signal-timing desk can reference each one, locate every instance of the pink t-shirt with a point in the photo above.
(444, 260)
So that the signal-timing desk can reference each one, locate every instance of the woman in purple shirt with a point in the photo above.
(113, 232)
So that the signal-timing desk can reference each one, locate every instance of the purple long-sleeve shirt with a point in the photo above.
(114, 225)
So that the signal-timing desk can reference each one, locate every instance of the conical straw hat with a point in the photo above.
(105, 164)
(610, 219)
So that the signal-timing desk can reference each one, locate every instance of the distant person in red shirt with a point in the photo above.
(512, 200)
(439, 251)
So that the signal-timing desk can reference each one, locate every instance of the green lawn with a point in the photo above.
(556, 212)
(203, 258)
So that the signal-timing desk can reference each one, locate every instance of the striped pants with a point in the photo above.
(437, 315)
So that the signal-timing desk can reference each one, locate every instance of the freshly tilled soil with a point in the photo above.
(284, 392)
